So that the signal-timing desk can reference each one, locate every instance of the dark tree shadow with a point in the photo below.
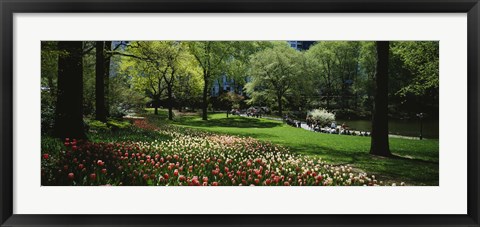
(237, 122)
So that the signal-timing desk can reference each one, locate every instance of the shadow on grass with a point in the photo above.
(255, 135)
(236, 122)
(129, 134)
(395, 156)
(389, 169)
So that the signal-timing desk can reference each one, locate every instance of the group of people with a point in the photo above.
(257, 112)
(333, 128)
(292, 122)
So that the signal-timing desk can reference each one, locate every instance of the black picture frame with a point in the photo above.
(10, 7)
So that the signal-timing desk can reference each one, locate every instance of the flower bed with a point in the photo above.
(191, 158)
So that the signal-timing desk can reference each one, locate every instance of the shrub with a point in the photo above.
(114, 124)
(322, 116)
(96, 125)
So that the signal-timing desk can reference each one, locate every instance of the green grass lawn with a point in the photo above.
(415, 161)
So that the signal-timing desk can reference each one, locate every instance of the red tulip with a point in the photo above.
(71, 176)
(268, 181)
(181, 178)
(195, 181)
(104, 171)
(45, 156)
(276, 179)
(214, 183)
(93, 176)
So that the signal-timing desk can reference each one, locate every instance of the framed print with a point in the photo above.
(284, 113)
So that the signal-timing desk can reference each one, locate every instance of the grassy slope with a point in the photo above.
(416, 162)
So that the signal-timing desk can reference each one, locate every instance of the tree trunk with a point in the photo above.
(108, 47)
(328, 101)
(379, 144)
(100, 113)
(170, 102)
(205, 99)
(69, 109)
(279, 99)
(156, 108)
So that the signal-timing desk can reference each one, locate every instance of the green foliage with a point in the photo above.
(334, 70)
(49, 62)
(421, 58)
(274, 72)
(111, 124)
(123, 98)
(89, 80)
(231, 100)
(211, 57)
(336, 75)
(118, 124)
(97, 125)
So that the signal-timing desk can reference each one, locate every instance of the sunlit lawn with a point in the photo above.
(416, 162)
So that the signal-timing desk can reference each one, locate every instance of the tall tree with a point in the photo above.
(322, 65)
(147, 62)
(189, 87)
(178, 61)
(379, 145)
(69, 111)
(333, 65)
(106, 80)
(211, 56)
(100, 107)
(274, 73)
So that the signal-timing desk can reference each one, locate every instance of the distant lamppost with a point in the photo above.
(421, 116)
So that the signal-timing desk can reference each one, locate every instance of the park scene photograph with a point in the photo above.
(239, 113)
